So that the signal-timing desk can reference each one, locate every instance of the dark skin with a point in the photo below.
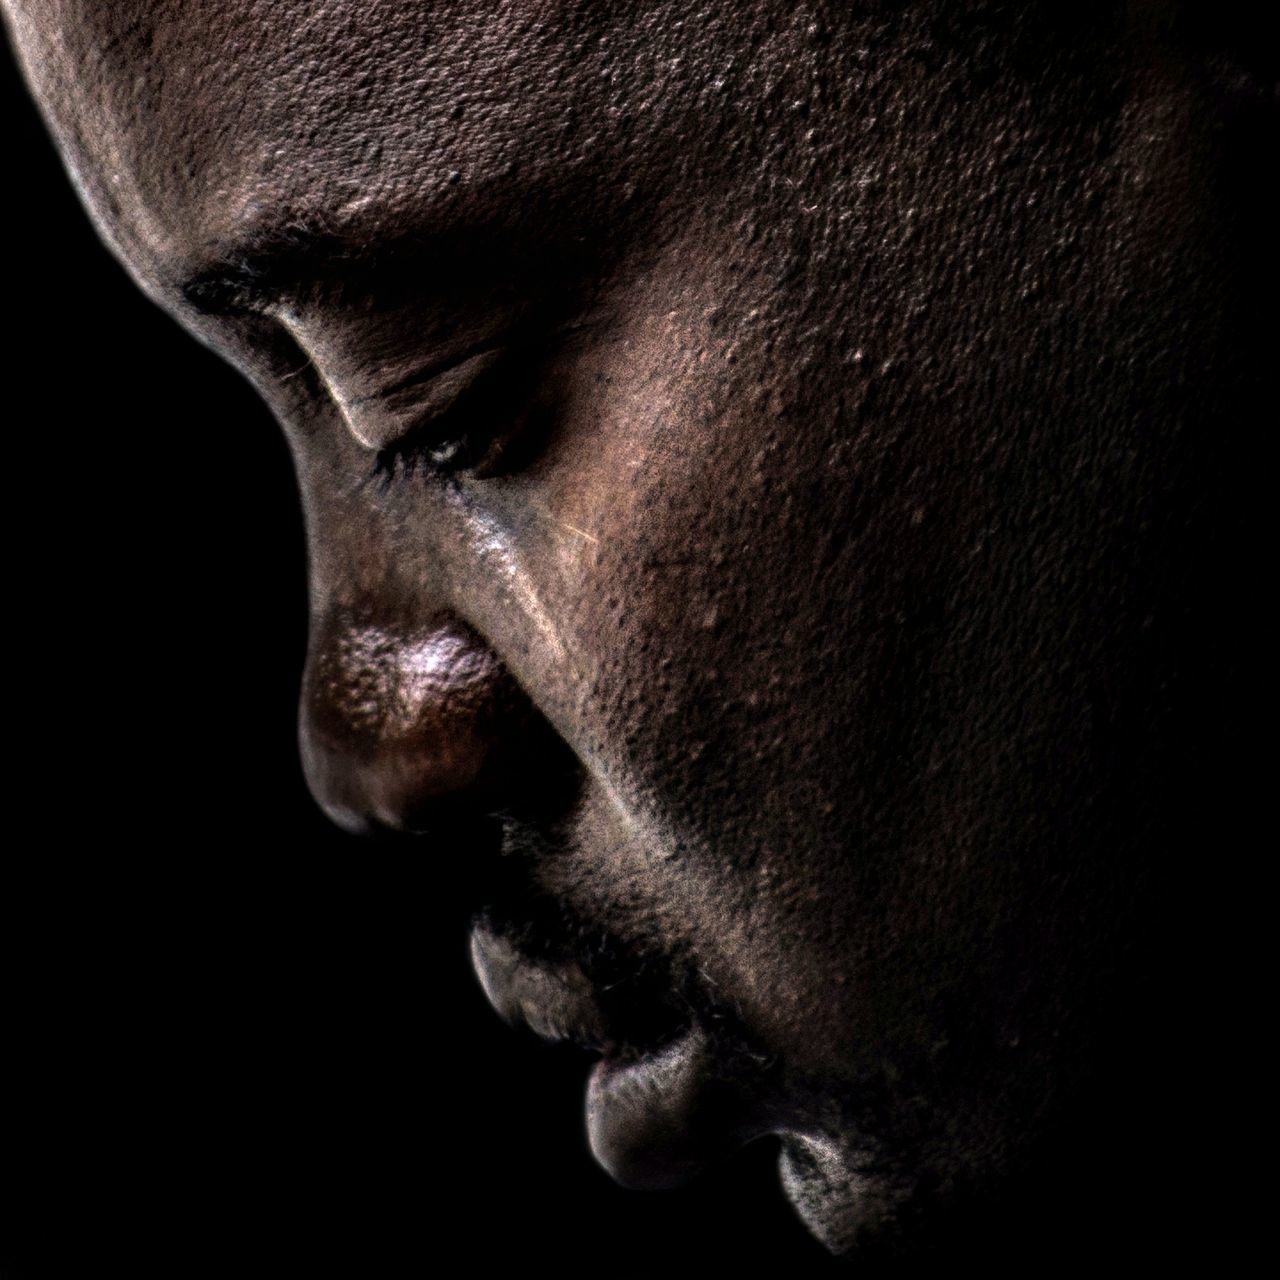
(758, 469)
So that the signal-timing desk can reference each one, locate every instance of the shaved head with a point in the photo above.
(767, 480)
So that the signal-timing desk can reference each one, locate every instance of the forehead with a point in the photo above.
(184, 120)
(190, 126)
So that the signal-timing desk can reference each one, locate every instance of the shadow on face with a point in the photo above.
(775, 553)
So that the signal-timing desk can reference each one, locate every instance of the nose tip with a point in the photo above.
(406, 728)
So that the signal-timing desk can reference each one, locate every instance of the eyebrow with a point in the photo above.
(259, 269)
(287, 260)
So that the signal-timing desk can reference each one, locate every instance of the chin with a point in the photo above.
(841, 1205)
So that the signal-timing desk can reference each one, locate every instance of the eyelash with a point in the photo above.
(494, 429)
(400, 460)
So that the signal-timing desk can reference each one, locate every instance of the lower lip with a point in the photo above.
(657, 1121)
(653, 1120)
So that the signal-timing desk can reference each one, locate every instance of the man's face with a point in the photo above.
(725, 435)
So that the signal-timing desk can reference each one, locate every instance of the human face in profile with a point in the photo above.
(725, 443)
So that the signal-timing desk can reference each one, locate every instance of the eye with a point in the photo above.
(487, 416)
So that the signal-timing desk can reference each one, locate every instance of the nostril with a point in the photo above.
(401, 726)
(331, 783)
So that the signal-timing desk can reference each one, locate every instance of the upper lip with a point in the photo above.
(623, 1017)
(555, 1000)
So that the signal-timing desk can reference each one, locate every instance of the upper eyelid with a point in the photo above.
(271, 293)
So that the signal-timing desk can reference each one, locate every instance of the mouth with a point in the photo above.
(663, 1101)
(552, 998)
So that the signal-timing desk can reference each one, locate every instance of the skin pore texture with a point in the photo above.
(763, 480)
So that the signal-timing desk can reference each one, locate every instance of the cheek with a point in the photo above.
(655, 535)
(659, 607)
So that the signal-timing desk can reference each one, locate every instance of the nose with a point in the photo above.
(405, 728)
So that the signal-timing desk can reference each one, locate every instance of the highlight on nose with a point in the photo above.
(400, 727)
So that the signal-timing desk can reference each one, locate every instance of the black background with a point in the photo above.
(232, 1039)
